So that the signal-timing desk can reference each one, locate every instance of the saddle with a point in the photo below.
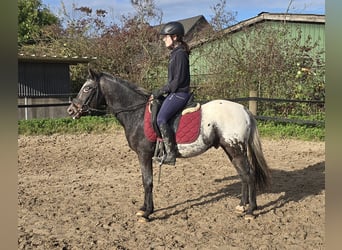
(185, 124)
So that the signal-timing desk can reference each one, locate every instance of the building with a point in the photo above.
(193, 27)
(44, 86)
(310, 25)
(219, 54)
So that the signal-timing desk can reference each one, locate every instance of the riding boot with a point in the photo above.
(169, 143)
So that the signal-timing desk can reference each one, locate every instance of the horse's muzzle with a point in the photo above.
(74, 111)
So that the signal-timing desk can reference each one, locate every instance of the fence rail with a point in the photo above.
(280, 119)
(43, 105)
(251, 99)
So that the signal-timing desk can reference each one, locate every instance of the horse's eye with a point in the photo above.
(86, 89)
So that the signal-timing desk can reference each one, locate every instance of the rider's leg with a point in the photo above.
(171, 105)
(169, 143)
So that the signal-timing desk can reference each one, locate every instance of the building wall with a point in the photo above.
(43, 83)
(43, 79)
(27, 113)
(200, 54)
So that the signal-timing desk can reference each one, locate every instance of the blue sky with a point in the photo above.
(181, 9)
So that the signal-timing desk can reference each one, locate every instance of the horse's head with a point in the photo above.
(89, 99)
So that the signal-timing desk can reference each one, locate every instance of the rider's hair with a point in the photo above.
(183, 43)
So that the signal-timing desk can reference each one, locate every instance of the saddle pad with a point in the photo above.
(187, 131)
(189, 127)
(148, 128)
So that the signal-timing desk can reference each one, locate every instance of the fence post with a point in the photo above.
(253, 103)
(26, 109)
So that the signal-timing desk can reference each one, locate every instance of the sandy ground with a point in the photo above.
(82, 192)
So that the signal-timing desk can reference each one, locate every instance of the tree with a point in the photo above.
(32, 16)
(221, 18)
(129, 49)
(146, 11)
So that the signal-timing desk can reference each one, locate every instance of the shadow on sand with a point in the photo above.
(296, 185)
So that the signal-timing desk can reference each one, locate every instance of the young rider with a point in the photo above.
(177, 87)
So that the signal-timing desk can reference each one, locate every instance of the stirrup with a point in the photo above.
(163, 160)
(171, 161)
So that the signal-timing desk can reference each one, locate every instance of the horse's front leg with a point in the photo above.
(147, 179)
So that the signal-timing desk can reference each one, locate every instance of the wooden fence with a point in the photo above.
(253, 101)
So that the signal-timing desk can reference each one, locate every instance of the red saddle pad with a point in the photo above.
(187, 131)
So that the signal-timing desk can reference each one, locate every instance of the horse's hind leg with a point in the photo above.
(238, 157)
(248, 189)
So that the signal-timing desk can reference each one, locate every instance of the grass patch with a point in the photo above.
(86, 124)
(106, 124)
(294, 131)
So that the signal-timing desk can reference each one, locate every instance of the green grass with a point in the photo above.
(294, 131)
(106, 124)
(86, 124)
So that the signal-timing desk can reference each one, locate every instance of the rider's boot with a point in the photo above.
(169, 143)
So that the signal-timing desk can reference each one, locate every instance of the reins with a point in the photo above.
(86, 109)
(129, 109)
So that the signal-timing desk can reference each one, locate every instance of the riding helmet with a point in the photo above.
(173, 28)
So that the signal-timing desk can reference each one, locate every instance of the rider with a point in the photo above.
(177, 87)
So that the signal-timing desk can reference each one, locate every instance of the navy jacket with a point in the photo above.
(178, 71)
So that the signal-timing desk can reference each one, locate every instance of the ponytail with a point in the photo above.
(184, 44)
(180, 41)
(186, 47)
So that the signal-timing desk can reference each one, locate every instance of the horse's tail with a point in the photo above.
(257, 159)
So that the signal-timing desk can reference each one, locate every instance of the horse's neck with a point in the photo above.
(119, 96)
(128, 109)
(125, 103)
(132, 122)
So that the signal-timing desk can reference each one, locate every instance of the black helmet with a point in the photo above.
(173, 28)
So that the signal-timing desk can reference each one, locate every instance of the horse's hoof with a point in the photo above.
(143, 220)
(240, 209)
(140, 213)
(249, 217)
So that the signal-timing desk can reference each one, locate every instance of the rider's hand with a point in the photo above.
(157, 93)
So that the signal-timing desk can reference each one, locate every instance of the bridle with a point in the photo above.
(85, 108)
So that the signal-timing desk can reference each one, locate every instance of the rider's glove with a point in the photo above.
(157, 93)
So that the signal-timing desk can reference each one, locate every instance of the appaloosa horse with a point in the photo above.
(222, 123)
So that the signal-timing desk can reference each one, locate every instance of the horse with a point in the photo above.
(223, 123)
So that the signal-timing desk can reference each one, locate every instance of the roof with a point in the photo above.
(190, 24)
(54, 59)
(265, 16)
(281, 17)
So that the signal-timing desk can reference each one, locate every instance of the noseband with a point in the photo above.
(84, 107)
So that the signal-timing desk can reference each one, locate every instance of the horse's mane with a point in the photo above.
(128, 84)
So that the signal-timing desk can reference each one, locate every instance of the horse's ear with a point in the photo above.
(92, 74)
